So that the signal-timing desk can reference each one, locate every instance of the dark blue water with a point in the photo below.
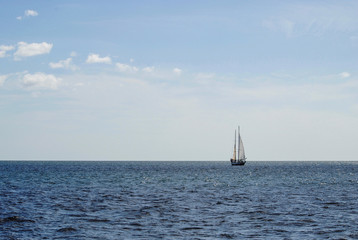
(178, 200)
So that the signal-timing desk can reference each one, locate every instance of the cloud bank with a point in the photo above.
(32, 49)
(4, 49)
(40, 81)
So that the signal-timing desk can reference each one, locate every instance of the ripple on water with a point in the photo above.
(67, 229)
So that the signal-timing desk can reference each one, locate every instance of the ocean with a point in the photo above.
(178, 200)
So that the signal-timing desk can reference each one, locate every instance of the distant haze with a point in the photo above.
(172, 80)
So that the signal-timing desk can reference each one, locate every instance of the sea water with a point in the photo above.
(178, 200)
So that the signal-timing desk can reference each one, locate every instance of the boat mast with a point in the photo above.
(234, 157)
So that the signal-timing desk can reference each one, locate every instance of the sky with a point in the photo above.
(172, 80)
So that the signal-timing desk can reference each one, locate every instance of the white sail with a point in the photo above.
(241, 149)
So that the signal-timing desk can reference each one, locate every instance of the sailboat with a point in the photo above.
(240, 159)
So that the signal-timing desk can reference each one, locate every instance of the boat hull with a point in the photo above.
(237, 163)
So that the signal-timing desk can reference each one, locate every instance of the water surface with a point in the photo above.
(178, 200)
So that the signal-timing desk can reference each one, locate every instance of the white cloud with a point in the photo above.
(40, 81)
(4, 49)
(28, 13)
(126, 68)
(2, 80)
(344, 74)
(73, 54)
(32, 49)
(148, 69)
(31, 13)
(95, 58)
(66, 64)
(131, 60)
(177, 71)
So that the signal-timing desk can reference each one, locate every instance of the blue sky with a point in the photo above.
(171, 80)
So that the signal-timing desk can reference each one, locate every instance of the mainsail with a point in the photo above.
(241, 152)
